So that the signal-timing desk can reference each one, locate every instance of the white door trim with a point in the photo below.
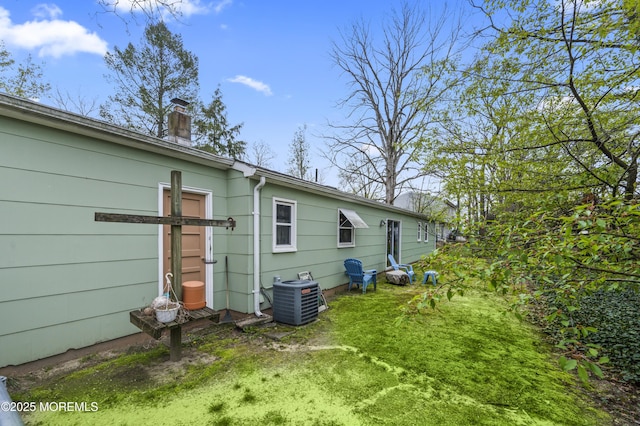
(162, 186)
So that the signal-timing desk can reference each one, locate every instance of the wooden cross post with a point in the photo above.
(175, 333)
(176, 220)
(176, 236)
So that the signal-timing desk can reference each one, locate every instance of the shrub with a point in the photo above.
(616, 316)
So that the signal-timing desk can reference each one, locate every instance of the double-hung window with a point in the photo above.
(426, 232)
(419, 231)
(284, 225)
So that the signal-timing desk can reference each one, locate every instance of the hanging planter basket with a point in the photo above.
(167, 313)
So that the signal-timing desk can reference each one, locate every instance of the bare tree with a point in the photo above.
(395, 86)
(79, 104)
(355, 177)
(261, 154)
(152, 10)
(425, 196)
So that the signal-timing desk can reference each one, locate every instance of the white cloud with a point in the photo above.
(183, 7)
(555, 103)
(370, 150)
(221, 5)
(48, 35)
(191, 7)
(46, 11)
(254, 84)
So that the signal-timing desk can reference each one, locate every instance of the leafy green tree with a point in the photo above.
(484, 152)
(24, 79)
(576, 61)
(549, 106)
(147, 77)
(213, 132)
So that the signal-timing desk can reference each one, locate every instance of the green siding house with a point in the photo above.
(67, 281)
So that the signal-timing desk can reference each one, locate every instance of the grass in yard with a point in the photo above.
(466, 363)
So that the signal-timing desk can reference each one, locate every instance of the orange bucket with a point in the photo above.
(193, 295)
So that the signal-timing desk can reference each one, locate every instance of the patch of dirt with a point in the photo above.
(130, 376)
(19, 383)
(620, 399)
(165, 372)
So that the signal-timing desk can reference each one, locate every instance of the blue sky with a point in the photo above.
(270, 58)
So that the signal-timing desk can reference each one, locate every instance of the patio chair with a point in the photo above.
(403, 266)
(358, 276)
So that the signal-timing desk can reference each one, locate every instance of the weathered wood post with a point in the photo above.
(175, 351)
(176, 232)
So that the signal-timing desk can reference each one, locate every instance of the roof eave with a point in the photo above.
(34, 112)
(316, 188)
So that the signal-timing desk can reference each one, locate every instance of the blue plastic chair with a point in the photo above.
(358, 276)
(404, 266)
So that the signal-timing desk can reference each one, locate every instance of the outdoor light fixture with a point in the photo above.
(383, 223)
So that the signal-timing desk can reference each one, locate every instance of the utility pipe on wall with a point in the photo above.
(256, 246)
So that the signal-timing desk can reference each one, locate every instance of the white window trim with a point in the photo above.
(419, 231)
(294, 218)
(353, 234)
(426, 232)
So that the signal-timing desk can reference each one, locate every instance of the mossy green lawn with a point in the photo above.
(466, 363)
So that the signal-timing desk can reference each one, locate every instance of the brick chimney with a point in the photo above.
(179, 123)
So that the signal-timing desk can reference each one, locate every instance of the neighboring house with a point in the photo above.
(68, 281)
(443, 212)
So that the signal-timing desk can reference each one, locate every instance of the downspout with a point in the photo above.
(256, 246)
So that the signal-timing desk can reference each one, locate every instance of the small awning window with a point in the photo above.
(353, 217)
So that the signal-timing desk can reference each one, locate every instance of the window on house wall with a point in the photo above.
(426, 232)
(348, 221)
(419, 231)
(284, 225)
